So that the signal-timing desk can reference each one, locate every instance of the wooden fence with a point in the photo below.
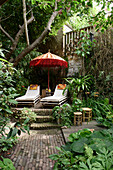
(70, 40)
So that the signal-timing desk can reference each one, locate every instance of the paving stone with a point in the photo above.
(33, 168)
(33, 150)
(19, 168)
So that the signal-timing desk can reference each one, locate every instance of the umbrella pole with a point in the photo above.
(48, 78)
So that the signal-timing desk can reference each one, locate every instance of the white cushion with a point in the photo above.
(53, 99)
(57, 97)
(30, 95)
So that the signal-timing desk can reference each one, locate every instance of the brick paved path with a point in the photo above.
(32, 151)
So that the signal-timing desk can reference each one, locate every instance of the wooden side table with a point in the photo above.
(49, 93)
(87, 114)
(77, 118)
(43, 93)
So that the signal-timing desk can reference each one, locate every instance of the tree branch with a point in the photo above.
(6, 18)
(6, 34)
(25, 22)
(13, 47)
(31, 10)
(2, 2)
(39, 40)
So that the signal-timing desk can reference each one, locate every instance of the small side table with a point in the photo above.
(87, 114)
(77, 118)
(49, 93)
(43, 93)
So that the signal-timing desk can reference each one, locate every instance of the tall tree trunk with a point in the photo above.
(39, 40)
(25, 22)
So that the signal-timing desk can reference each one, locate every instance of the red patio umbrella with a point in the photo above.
(49, 60)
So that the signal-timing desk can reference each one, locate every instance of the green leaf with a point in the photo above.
(58, 148)
(7, 164)
(66, 161)
(8, 110)
(4, 60)
(26, 121)
(9, 134)
(83, 166)
(1, 164)
(12, 101)
(26, 128)
(54, 157)
(55, 166)
(73, 136)
(78, 146)
(14, 132)
(22, 130)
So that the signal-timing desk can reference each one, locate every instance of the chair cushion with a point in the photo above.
(61, 86)
(53, 99)
(33, 87)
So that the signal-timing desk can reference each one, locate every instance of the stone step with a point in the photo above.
(39, 126)
(42, 111)
(41, 119)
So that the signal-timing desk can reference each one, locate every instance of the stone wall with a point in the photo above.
(75, 65)
(70, 40)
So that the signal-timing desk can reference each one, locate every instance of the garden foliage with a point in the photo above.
(101, 110)
(6, 164)
(86, 150)
(63, 114)
(8, 134)
(25, 113)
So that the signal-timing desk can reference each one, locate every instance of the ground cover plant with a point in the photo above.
(86, 150)
(8, 134)
(100, 106)
(22, 115)
(6, 164)
(101, 109)
(63, 115)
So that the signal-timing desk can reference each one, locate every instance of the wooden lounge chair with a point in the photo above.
(32, 96)
(58, 98)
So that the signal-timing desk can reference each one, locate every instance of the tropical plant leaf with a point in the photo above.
(78, 146)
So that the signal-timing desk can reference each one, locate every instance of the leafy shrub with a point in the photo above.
(75, 85)
(8, 139)
(22, 81)
(6, 164)
(23, 114)
(7, 95)
(86, 150)
(63, 114)
(106, 122)
(27, 113)
(6, 144)
(103, 160)
(76, 105)
(100, 107)
(7, 90)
